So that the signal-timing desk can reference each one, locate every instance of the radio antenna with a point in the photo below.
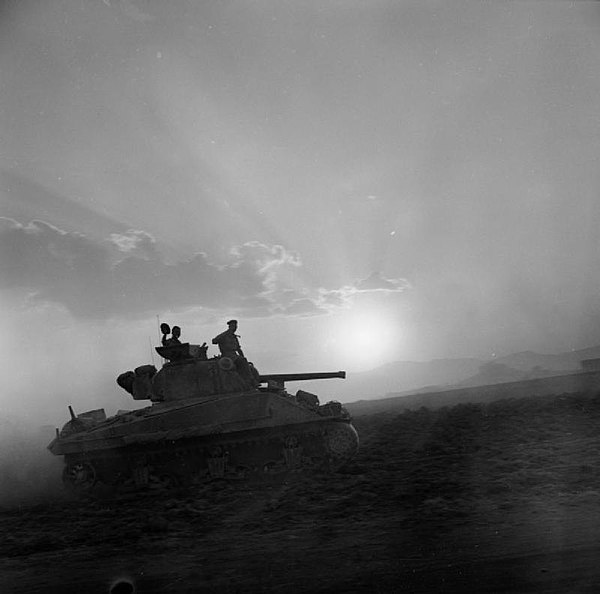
(162, 361)
(151, 349)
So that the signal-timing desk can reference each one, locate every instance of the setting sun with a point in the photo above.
(366, 340)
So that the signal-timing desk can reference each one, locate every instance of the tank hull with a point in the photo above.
(254, 435)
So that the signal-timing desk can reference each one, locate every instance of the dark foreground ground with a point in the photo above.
(502, 497)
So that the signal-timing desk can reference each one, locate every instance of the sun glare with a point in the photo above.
(366, 340)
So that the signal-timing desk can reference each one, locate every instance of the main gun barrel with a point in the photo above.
(296, 377)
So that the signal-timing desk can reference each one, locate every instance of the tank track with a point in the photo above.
(245, 456)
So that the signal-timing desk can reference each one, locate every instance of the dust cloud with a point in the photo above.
(29, 473)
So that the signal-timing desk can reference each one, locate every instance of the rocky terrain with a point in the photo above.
(495, 497)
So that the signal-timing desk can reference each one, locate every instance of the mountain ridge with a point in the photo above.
(410, 377)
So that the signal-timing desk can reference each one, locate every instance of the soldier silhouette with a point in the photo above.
(228, 342)
(175, 334)
(229, 345)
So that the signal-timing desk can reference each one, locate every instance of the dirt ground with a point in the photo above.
(502, 497)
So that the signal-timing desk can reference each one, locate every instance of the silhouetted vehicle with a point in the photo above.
(209, 418)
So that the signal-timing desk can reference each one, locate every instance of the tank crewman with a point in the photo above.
(202, 349)
(228, 342)
(229, 345)
(165, 329)
(175, 334)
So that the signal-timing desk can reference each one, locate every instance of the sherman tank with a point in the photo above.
(216, 418)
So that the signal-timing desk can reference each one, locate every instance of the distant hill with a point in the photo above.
(570, 383)
(493, 372)
(528, 365)
(527, 360)
(399, 376)
(412, 377)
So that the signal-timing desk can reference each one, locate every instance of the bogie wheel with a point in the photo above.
(291, 441)
(79, 476)
(163, 481)
(270, 466)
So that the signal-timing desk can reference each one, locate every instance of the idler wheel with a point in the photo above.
(341, 441)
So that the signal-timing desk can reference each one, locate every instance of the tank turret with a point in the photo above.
(208, 418)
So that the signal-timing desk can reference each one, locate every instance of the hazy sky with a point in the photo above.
(356, 182)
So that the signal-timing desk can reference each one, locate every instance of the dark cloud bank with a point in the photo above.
(125, 275)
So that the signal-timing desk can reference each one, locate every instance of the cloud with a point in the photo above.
(277, 265)
(152, 285)
(125, 275)
(54, 265)
(335, 298)
(134, 242)
(303, 307)
(376, 282)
